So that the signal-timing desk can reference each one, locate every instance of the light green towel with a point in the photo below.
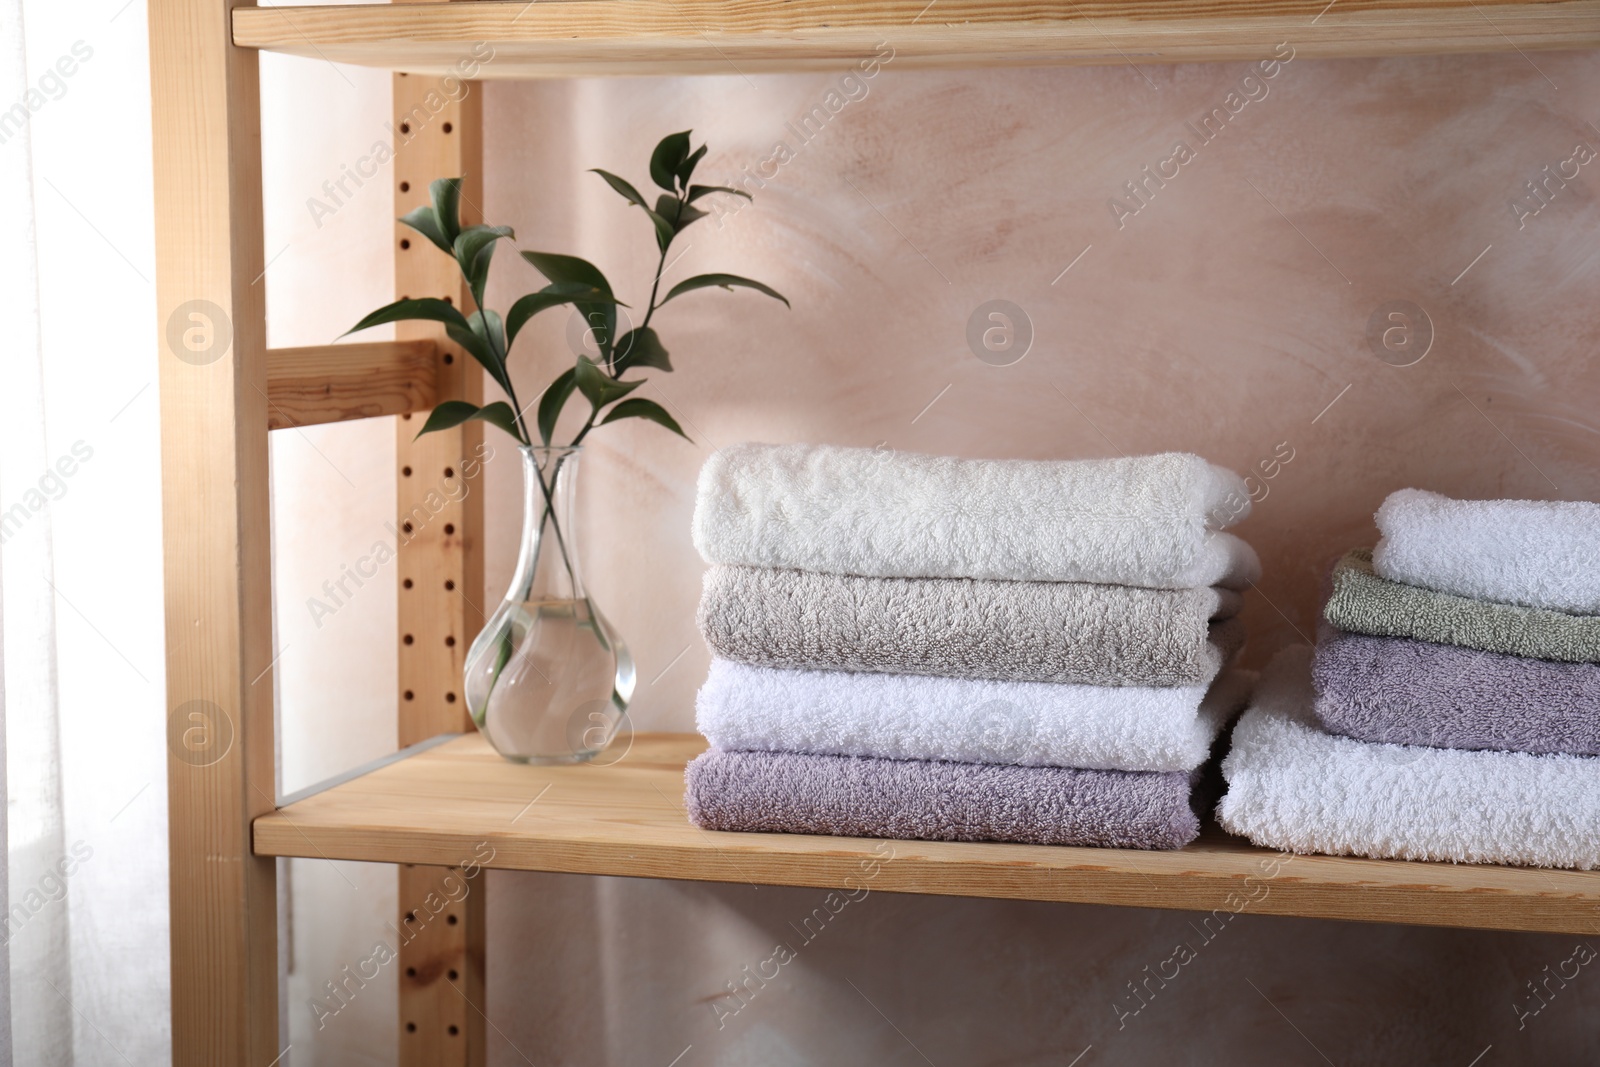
(1364, 603)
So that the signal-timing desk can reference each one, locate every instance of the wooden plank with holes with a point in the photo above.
(207, 166)
(588, 37)
(440, 523)
(332, 383)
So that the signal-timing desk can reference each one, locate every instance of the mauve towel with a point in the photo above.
(1390, 689)
(1364, 603)
(857, 796)
(1075, 632)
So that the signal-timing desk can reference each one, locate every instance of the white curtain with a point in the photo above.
(80, 550)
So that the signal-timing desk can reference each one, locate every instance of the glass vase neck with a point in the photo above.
(547, 564)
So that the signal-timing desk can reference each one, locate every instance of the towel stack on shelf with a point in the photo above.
(1451, 708)
(923, 647)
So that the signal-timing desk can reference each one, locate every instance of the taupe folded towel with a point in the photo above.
(1073, 632)
(1364, 603)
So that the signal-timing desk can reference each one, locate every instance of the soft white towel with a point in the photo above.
(1292, 786)
(1537, 553)
(1034, 724)
(1147, 521)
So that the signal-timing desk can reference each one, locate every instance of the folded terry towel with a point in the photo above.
(1418, 693)
(1538, 553)
(852, 796)
(895, 716)
(1290, 785)
(1147, 521)
(1366, 604)
(963, 628)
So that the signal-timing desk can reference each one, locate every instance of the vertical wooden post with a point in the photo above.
(437, 133)
(207, 154)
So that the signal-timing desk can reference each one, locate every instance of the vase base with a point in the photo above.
(553, 761)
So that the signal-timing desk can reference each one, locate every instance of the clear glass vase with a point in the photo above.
(547, 680)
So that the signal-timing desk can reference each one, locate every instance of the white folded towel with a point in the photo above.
(1147, 521)
(897, 716)
(1537, 553)
(1292, 786)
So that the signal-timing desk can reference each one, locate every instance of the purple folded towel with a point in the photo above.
(857, 796)
(1417, 693)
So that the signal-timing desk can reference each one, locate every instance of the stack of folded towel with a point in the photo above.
(923, 647)
(1451, 709)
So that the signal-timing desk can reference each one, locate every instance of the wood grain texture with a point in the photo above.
(206, 127)
(332, 383)
(440, 528)
(628, 819)
(585, 37)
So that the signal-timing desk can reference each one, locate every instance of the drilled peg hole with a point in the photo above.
(411, 1028)
(409, 695)
(454, 1030)
(448, 127)
(406, 583)
(449, 528)
(405, 243)
(405, 187)
(449, 472)
(411, 916)
(407, 415)
(449, 585)
(449, 358)
(450, 698)
(411, 972)
(447, 299)
(450, 642)
(407, 526)
(408, 639)
(451, 919)
(453, 976)
(406, 471)
(405, 127)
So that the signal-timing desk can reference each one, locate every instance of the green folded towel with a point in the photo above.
(1364, 603)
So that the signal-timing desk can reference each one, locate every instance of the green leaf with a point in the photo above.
(685, 170)
(568, 270)
(664, 216)
(500, 414)
(553, 400)
(622, 186)
(697, 191)
(425, 222)
(598, 386)
(640, 408)
(550, 296)
(688, 215)
(428, 308)
(478, 349)
(446, 196)
(489, 329)
(447, 414)
(725, 281)
(641, 348)
(670, 154)
(474, 248)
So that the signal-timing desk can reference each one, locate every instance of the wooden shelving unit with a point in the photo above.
(458, 800)
(572, 37)
(430, 811)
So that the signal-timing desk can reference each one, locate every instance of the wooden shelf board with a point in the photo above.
(583, 37)
(451, 803)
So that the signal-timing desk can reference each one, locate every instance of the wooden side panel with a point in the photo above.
(331, 383)
(437, 127)
(205, 97)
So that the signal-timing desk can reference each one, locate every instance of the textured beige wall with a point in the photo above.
(1223, 317)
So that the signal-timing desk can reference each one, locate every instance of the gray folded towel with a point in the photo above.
(1073, 632)
(857, 796)
(1364, 603)
(1419, 693)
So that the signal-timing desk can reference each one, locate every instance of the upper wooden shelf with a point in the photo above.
(454, 802)
(581, 37)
